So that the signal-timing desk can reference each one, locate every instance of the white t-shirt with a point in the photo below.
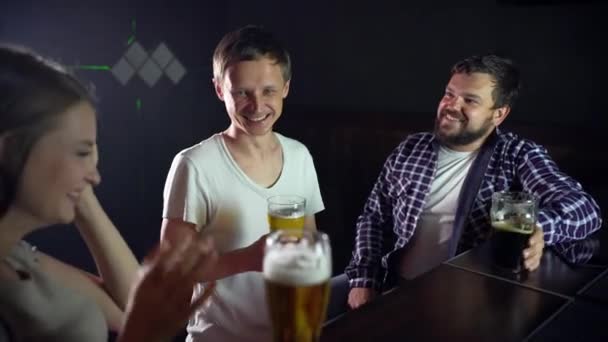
(430, 244)
(206, 187)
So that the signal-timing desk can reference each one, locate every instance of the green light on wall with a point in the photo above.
(91, 67)
(132, 37)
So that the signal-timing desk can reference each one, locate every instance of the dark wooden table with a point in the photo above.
(577, 321)
(467, 299)
(561, 272)
(448, 304)
(597, 291)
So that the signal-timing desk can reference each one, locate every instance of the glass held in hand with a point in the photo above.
(513, 216)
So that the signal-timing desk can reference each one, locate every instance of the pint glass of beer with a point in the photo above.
(513, 216)
(297, 270)
(286, 212)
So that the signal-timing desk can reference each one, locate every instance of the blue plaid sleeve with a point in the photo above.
(364, 269)
(566, 211)
(578, 252)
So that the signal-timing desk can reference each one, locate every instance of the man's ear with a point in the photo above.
(218, 89)
(500, 114)
(286, 88)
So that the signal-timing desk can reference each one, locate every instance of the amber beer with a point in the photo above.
(286, 212)
(286, 221)
(297, 272)
(513, 216)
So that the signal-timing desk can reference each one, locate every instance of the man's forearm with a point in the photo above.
(567, 211)
(574, 218)
(235, 262)
(362, 273)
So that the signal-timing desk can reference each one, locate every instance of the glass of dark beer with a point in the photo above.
(297, 269)
(513, 216)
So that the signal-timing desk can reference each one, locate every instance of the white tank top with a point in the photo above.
(37, 308)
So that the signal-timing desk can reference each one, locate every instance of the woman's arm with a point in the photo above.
(115, 261)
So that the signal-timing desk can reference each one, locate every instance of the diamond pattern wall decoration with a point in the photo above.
(149, 67)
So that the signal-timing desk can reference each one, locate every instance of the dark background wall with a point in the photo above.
(393, 56)
(352, 64)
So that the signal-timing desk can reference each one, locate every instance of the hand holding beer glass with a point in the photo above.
(297, 269)
(513, 216)
(286, 212)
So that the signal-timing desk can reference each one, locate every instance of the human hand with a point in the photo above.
(160, 302)
(359, 296)
(87, 205)
(255, 253)
(534, 252)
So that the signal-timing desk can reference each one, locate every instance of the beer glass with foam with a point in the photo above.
(513, 216)
(297, 269)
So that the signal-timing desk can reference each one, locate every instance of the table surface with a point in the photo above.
(448, 303)
(555, 275)
(597, 291)
(466, 298)
(577, 321)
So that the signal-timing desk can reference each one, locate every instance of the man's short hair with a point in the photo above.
(249, 43)
(503, 71)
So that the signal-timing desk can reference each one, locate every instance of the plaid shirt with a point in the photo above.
(394, 206)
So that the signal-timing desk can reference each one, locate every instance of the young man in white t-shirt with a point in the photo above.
(219, 187)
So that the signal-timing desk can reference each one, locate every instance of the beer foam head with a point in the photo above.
(291, 264)
(288, 213)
